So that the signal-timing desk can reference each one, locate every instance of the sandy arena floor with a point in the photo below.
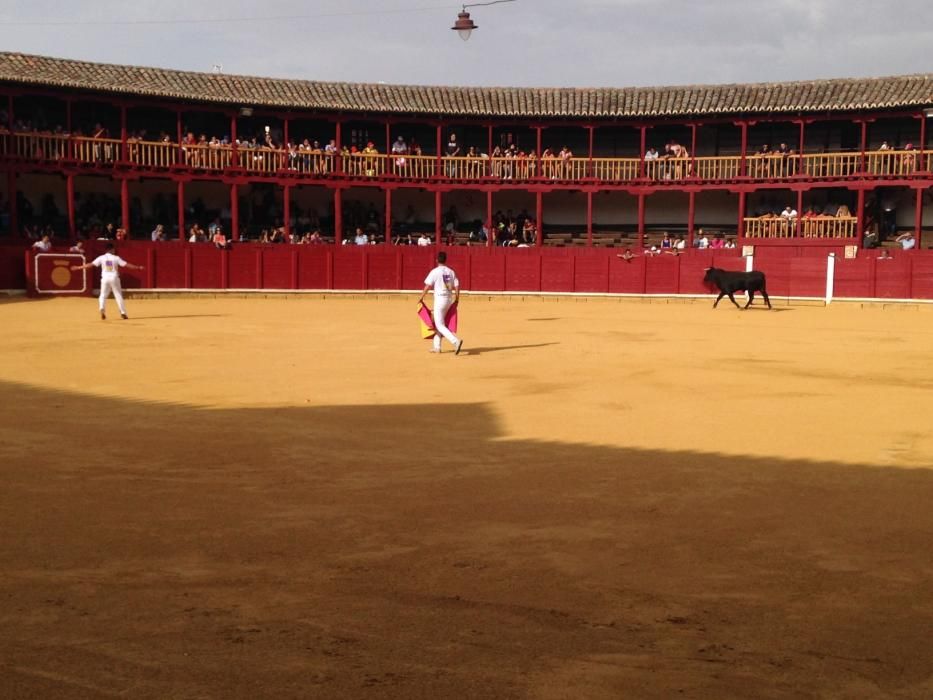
(291, 498)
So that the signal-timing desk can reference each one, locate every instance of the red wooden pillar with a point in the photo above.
(864, 145)
(693, 151)
(235, 155)
(691, 215)
(14, 200)
(589, 160)
(437, 217)
(539, 218)
(742, 168)
(641, 220)
(923, 145)
(287, 209)
(70, 196)
(589, 219)
(439, 144)
(179, 135)
(125, 204)
(9, 113)
(644, 149)
(69, 153)
(181, 210)
(860, 215)
(287, 139)
(801, 169)
(338, 139)
(388, 216)
(740, 234)
(234, 212)
(490, 233)
(797, 223)
(489, 141)
(538, 141)
(338, 215)
(388, 137)
(124, 154)
(918, 217)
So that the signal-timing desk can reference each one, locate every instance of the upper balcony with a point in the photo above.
(309, 165)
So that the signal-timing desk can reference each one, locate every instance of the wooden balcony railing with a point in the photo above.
(831, 165)
(894, 163)
(159, 155)
(828, 227)
(771, 167)
(414, 167)
(88, 150)
(717, 167)
(151, 154)
(806, 227)
(41, 147)
(616, 169)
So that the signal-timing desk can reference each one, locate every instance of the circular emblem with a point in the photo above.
(61, 275)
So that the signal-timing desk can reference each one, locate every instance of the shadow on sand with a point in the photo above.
(166, 550)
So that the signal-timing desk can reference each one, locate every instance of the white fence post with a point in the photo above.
(830, 277)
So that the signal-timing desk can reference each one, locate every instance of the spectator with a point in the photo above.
(718, 243)
(680, 243)
(423, 240)
(360, 238)
(666, 242)
(404, 239)
(220, 240)
(43, 245)
(77, 248)
(702, 242)
(121, 234)
(158, 233)
(789, 213)
(907, 241)
(627, 255)
(314, 238)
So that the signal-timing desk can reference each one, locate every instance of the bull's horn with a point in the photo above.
(707, 269)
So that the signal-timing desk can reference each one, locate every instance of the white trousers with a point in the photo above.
(441, 304)
(112, 285)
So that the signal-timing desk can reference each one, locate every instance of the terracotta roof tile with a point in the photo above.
(678, 101)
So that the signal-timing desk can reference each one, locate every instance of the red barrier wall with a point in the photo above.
(790, 271)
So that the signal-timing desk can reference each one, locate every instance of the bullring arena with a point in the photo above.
(261, 485)
(289, 497)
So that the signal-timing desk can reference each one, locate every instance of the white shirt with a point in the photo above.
(109, 265)
(681, 245)
(362, 239)
(424, 240)
(444, 281)
(789, 213)
(44, 246)
(703, 242)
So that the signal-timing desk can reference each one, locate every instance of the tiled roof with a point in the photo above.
(842, 95)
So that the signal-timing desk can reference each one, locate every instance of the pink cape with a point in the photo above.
(427, 320)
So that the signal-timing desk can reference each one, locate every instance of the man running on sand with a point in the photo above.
(446, 293)
(109, 264)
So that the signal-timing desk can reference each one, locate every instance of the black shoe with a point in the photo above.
(124, 317)
(103, 316)
(459, 345)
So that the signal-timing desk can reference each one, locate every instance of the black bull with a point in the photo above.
(731, 282)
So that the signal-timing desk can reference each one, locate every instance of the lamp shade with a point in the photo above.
(464, 26)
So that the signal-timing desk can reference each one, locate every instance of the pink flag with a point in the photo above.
(427, 320)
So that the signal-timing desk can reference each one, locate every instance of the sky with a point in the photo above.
(526, 43)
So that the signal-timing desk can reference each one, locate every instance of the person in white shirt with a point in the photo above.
(446, 293)
(423, 240)
(788, 213)
(702, 242)
(109, 264)
(360, 238)
(44, 245)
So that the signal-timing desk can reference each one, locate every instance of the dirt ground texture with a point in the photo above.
(292, 498)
